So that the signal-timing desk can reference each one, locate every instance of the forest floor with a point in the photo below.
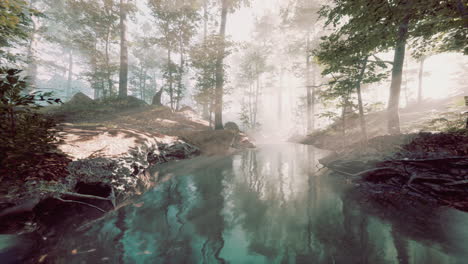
(101, 161)
(427, 163)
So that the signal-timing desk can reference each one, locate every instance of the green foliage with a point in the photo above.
(25, 134)
(203, 58)
(15, 22)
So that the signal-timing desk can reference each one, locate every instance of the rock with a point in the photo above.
(241, 141)
(125, 102)
(177, 150)
(186, 108)
(117, 158)
(231, 126)
(80, 99)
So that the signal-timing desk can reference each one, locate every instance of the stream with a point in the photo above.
(269, 205)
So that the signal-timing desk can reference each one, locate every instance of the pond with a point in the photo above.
(270, 205)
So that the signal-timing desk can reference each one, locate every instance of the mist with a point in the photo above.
(233, 131)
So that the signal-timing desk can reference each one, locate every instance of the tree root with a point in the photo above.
(361, 173)
(78, 202)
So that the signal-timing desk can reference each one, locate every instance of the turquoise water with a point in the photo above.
(271, 205)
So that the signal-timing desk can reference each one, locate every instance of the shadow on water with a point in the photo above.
(271, 205)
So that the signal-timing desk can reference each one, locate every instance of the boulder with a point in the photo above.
(80, 99)
(186, 108)
(231, 126)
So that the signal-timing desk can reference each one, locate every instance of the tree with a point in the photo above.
(176, 21)
(226, 6)
(303, 19)
(15, 25)
(253, 66)
(123, 76)
(386, 25)
(348, 65)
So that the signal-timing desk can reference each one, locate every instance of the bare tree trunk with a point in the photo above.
(110, 83)
(31, 60)
(280, 96)
(219, 90)
(205, 20)
(181, 73)
(395, 87)
(309, 116)
(420, 78)
(257, 93)
(362, 118)
(343, 121)
(140, 82)
(123, 77)
(463, 11)
(70, 74)
(169, 68)
(143, 94)
(157, 98)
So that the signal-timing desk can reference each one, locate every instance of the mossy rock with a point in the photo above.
(231, 126)
(80, 99)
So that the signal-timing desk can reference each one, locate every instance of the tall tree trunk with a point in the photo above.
(123, 77)
(343, 121)
(31, 60)
(110, 83)
(420, 78)
(280, 96)
(362, 118)
(181, 73)
(169, 69)
(309, 115)
(205, 20)
(157, 98)
(461, 6)
(70, 74)
(95, 84)
(395, 87)
(143, 94)
(257, 93)
(140, 82)
(219, 90)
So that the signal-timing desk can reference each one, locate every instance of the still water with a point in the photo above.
(270, 205)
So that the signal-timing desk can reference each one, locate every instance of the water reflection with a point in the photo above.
(271, 205)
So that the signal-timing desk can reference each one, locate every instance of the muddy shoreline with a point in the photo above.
(430, 168)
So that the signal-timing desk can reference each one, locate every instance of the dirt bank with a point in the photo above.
(428, 167)
(106, 148)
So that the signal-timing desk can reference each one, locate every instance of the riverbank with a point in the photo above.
(102, 160)
(428, 162)
(427, 167)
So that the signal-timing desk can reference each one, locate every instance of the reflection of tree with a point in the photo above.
(206, 216)
(285, 211)
(120, 225)
(401, 245)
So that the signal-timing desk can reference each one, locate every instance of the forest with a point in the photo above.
(233, 131)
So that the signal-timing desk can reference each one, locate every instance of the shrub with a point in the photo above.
(25, 134)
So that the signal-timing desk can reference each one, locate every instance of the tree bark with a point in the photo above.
(219, 90)
(420, 82)
(310, 122)
(70, 74)
(123, 77)
(395, 87)
(157, 98)
(181, 73)
(362, 118)
(169, 69)
(110, 83)
(280, 96)
(31, 60)
(143, 94)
